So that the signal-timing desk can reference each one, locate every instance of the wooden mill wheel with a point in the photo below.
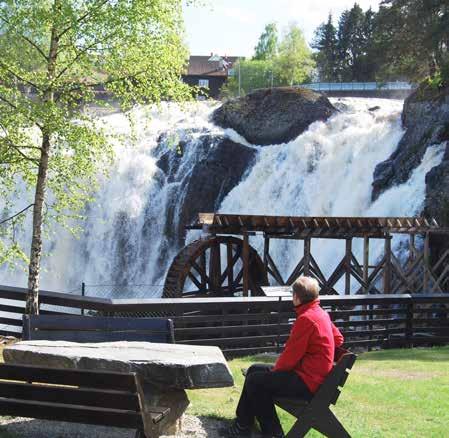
(213, 267)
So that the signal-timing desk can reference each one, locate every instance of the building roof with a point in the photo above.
(200, 66)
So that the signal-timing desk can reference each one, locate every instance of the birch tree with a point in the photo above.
(55, 55)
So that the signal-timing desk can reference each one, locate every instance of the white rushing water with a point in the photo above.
(325, 171)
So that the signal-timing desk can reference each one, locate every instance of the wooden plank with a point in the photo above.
(238, 341)
(230, 267)
(99, 336)
(97, 323)
(307, 254)
(75, 396)
(245, 264)
(233, 329)
(274, 269)
(215, 269)
(71, 413)
(202, 269)
(426, 261)
(387, 266)
(348, 255)
(366, 245)
(11, 321)
(58, 376)
(359, 323)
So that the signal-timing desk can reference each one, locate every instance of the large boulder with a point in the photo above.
(426, 120)
(273, 116)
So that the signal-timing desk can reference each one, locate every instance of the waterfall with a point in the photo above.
(327, 171)
(128, 233)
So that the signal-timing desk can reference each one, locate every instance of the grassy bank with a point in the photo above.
(391, 393)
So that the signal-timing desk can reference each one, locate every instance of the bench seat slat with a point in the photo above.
(74, 396)
(71, 413)
(59, 376)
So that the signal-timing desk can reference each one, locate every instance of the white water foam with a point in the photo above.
(326, 171)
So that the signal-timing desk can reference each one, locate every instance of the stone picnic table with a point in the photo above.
(164, 370)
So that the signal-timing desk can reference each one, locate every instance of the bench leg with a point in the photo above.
(327, 423)
(299, 429)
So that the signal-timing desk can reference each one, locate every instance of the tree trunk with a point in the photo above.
(32, 305)
(32, 302)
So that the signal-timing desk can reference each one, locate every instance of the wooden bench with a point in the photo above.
(76, 328)
(316, 414)
(89, 397)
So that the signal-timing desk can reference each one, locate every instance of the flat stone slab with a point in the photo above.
(167, 365)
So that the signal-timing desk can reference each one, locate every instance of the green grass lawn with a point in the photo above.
(390, 393)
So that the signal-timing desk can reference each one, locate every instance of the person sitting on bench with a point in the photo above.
(305, 362)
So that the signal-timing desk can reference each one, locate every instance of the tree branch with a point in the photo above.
(83, 17)
(28, 40)
(79, 54)
(3, 99)
(17, 148)
(110, 81)
(2, 64)
(17, 214)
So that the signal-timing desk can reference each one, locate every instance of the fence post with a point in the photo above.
(409, 324)
(278, 342)
(83, 294)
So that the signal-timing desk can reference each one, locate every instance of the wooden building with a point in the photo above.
(209, 74)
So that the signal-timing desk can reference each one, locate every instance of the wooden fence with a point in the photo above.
(247, 325)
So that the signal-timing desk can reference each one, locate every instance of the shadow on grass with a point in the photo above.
(434, 354)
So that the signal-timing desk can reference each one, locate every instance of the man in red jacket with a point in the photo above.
(307, 359)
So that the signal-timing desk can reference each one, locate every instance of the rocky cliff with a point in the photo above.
(426, 120)
(273, 116)
(218, 167)
(205, 168)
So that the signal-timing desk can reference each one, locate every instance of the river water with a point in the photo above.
(326, 171)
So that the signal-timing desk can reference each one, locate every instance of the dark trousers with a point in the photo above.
(260, 388)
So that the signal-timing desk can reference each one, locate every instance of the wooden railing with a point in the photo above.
(256, 324)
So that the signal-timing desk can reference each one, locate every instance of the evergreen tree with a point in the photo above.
(351, 44)
(325, 41)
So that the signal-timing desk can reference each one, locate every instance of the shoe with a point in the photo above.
(235, 430)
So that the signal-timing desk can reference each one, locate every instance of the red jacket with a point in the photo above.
(309, 351)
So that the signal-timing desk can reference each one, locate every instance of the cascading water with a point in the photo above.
(128, 233)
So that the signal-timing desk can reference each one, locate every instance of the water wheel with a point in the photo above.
(213, 267)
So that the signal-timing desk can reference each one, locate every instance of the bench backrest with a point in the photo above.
(91, 397)
(329, 391)
(76, 328)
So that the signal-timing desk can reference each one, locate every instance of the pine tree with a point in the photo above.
(325, 41)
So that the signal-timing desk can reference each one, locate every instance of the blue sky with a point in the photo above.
(232, 27)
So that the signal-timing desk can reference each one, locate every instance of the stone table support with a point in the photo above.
(164, 371)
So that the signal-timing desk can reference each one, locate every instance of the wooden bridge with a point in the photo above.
(221, 264)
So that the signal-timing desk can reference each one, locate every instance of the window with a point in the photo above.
(203, 83)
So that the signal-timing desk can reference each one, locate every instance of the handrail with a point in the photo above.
(358, 86)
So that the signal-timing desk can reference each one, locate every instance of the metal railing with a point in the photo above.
(358, 86)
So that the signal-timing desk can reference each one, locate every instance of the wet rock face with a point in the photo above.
(218, 166)
(273, 116)
(426, 120)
